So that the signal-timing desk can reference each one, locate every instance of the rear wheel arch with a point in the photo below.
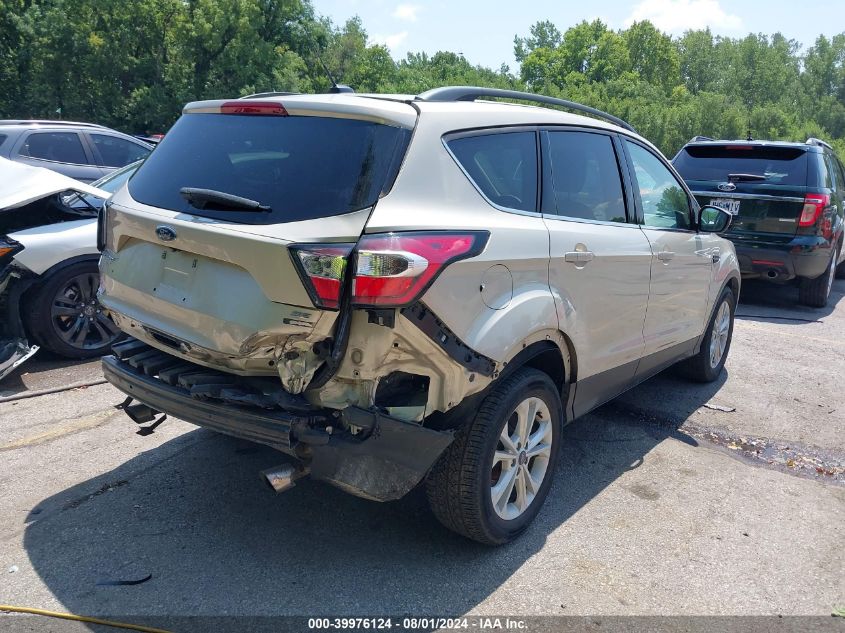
(551, 355)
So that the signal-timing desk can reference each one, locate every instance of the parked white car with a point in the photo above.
(48, 264)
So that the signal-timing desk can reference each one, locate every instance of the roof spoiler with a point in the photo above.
(817, 141)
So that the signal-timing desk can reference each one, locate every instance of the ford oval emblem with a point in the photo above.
(726, 186)
(165, 233)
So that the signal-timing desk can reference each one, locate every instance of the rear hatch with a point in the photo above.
(201, 251)
(763, 186)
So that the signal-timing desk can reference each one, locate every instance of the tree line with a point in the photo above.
(132, 65)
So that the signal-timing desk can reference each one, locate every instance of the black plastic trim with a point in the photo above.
(421, 315)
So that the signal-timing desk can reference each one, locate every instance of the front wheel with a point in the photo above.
(708, 363)
(491, 482)
(65, 317)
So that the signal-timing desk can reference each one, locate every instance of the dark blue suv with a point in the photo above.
(788, 201)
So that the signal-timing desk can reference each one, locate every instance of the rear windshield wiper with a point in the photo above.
(745, 178)
(204, 198)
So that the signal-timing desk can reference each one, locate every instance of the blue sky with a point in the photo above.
(483, 30)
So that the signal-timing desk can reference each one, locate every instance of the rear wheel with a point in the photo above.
(65, 317)
(840, 270)
(815, 292)
(708, 363)
(491, 482)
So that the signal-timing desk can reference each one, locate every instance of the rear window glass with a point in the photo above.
(779, 165)
(2, 138)
(301, 167)
(502, 165)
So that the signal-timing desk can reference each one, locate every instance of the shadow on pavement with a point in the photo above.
(193, 513)
(762, 301)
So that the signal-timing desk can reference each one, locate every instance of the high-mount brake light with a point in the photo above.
(260, 108)
(814, 205)
(321, 267)
(394, 269)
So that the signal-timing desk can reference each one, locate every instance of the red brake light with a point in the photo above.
(394, 269)
(253, 107)
(321, 267)
(814, 205)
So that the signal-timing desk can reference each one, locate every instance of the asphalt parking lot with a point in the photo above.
(675, 499)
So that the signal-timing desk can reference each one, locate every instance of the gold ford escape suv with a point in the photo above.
(396, 288)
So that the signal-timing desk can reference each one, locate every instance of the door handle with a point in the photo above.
(665, 256)
(579, 257)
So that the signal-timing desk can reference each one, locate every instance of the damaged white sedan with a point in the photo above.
(48, 265)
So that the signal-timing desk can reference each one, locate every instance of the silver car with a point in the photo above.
(396, 288)
(82, 151)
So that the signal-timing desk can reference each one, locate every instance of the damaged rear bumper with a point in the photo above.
(383, 461)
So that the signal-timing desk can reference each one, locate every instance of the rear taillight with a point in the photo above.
(266, 108)
(394, 269)
(814, 206)
(321, 267)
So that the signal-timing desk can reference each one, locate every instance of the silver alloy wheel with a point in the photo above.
(521, 458)
(719, 336)
(78, 319)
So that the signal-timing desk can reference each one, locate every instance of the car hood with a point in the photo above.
(21, 184)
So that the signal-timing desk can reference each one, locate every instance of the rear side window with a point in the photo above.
(502, 165)
(778, 165)
(301, 167)
(3, 137)
(59, 147)
(118, 152)
(585, 176)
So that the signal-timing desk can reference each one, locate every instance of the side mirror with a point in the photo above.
(714, 219)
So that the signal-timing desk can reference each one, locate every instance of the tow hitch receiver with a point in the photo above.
(141, 413)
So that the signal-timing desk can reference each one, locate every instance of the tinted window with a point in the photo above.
(118, 152)
(61, 147)
(665, 203)
(2, 138)
(585, 176)
(301, 167)
(779, 165)
(503, 166)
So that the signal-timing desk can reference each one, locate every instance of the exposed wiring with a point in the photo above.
(79, 618)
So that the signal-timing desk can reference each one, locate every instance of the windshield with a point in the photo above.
(300, 167)
(108, 183)
(775, 165)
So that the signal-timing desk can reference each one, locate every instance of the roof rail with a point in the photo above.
(471, 93)
(696, 139)
(47, 122)
(817, 141)
(259, 95)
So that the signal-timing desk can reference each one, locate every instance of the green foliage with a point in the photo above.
(134, 64)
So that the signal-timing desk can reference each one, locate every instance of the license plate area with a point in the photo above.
(728, 204)
(177, 276)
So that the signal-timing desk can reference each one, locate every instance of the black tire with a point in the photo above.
(700, 367)
(60, 308)
(459, 487)
(815, 292)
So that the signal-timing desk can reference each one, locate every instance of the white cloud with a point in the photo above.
(406, 12)
(391, 41)
(677, 16)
